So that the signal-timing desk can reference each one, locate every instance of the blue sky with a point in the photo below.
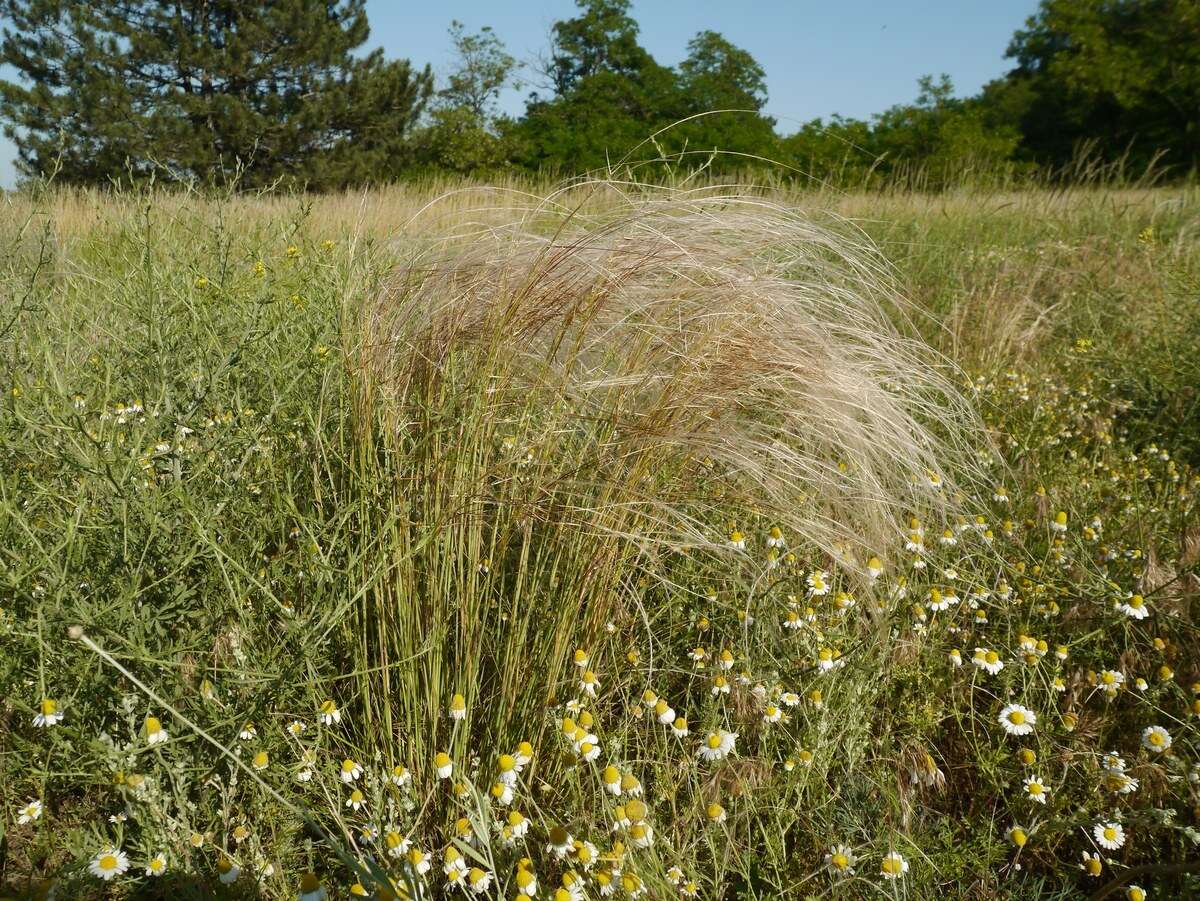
(854, 57)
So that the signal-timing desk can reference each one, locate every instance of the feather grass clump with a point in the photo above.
(565, 417)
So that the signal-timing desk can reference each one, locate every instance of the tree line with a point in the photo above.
(278, 91)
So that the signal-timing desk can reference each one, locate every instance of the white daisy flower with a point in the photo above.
(227, 870)
(1036, 789)
(329, 714)
(1156, 739)
(818, 583)
(400, 775)
(1109, 836)
(1134, 607)
(718, 745)
(109, 863)
(893, 866)
(29, 813)
(479, 880)
(154, 731)
(1017, 719)
(841, 860)
(48, 714)
(987, 660)
(311, 888)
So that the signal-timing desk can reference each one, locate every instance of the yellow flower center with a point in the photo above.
(840, 860)
(891, 865)
(108, 862)
(1110, 834)
(714, 741)
(1017, 718)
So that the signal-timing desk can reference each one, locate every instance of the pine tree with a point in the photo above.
(201, 89)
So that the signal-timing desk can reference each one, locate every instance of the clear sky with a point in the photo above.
(854, 57)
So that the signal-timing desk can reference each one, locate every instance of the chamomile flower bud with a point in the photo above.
(443, 765)
(458, 707)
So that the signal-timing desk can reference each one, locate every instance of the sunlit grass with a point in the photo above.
(298, 495)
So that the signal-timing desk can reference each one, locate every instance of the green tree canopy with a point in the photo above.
(203, 88)
(603, 38)
(610, 96)
(460, 134)
(1122, 75)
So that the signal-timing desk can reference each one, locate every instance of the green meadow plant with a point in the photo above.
(604, 540)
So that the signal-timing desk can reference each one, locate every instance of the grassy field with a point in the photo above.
(609, 541)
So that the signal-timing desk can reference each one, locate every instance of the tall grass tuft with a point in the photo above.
(556, 416)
